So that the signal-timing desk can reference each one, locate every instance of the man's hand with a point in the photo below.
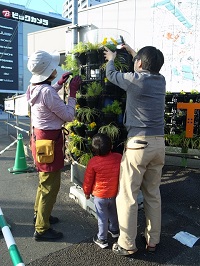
(64, 78)
(87, 196)
(74, 86)
(129, 49)
(109, 55)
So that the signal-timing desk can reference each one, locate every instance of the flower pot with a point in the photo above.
(120, 119)
(169, 97)
(92, 102)
(91, 133)
(109, 88)
(81, 58)
(109, 118)
(92, 57)
(181, 98)
(81, 101)
(101, 56)
(80, 131)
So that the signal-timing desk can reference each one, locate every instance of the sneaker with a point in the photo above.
(121, 251)
(101, 243)
(49, 234)
(114, 234)
(52, 219)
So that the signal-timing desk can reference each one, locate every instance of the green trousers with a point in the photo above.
(47, 191)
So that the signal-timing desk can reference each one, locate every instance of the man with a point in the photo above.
(144, 153)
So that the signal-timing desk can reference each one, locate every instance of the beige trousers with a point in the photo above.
(140, 168)
(49, 185)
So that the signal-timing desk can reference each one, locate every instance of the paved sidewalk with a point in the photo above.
(180, 208)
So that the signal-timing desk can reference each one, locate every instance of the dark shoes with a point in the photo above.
(52, 219)
(121, 251)
(114, 234)
(149, 249)
(100, 243)
(48, 235)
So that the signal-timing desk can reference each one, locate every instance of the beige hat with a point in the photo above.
(41, 64)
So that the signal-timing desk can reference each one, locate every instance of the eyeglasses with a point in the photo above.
(135, 58)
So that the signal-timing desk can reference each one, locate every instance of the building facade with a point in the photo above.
(16, 22)
(68, 6)
(172, 26)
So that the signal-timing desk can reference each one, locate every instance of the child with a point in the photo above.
(101, 180)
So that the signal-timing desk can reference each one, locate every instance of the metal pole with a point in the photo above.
(75, 22)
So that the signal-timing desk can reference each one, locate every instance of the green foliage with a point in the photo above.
(194, 91)
(92, 46)
(86, 114)
(114, 108)
(71, 124)
(111, 130)
(111, 46)
(75, 143)
(79, 48)
(71, 64)
(94, 89)
(180, 140)
(79, 95)
(120, 65)
(84, 158)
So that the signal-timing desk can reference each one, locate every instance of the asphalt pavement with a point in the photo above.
(180, 190)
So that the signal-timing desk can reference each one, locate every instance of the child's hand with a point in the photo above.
(87, 196)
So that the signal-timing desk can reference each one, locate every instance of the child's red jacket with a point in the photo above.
(102, 176)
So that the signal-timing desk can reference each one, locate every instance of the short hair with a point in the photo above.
(101, 144)
(152, 58)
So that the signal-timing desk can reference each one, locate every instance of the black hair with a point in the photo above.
(152, 58)
(101, 144)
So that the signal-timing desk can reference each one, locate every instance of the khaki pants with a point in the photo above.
(49, 185)
(140, 168)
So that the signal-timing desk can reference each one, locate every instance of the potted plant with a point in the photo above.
(87, 115)
(180, 140)
(122, 60)
(91, 129)
(84, 158)
(81, 99)
(79, 129)
(93, 90)
(71, 65)
(70, 125)
(75, 145)
(112, 111)
(79, 52)
(181, 96)
(169, 97)
(193, 96)
(111, 130)
(120, 64)
(92, 52)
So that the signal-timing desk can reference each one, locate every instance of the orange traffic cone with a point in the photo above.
(20, 165)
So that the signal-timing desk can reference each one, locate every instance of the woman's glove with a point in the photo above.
(74, 86)
(64, 78)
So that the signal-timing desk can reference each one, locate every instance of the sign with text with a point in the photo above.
(9, 105)
(21, 14)
(21, 105)
(8, 55)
